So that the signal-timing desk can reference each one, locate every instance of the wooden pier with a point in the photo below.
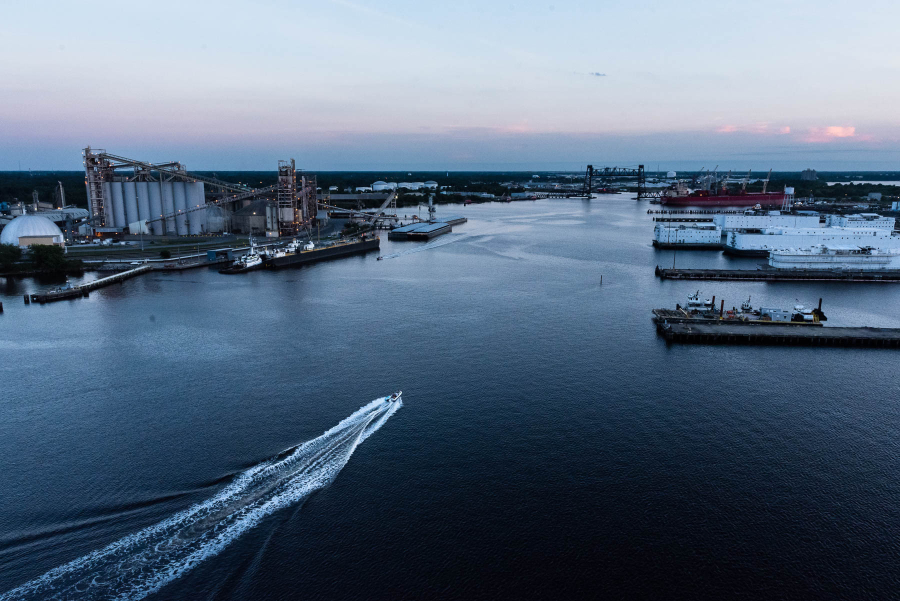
(785, 336)
(773, 275)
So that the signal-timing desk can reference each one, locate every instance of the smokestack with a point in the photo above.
(722, 309)
(820, 304)
(713, 303)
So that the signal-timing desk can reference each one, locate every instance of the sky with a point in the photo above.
(463, 85)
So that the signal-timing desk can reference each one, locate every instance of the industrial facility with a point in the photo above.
(164, 199)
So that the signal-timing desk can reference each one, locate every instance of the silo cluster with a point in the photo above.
(128, 202)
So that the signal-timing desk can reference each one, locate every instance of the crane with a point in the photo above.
(766, 183)
(746, 179)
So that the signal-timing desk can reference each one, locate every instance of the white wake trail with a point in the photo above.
(142, 563)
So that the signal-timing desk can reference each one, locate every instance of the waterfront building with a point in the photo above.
(26, 230)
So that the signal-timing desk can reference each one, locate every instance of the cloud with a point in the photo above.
(838, 131)
(756, 128)
(596, 74)
(830, 133)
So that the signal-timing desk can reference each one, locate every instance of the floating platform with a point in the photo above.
(788, 336)
(778, 275)
(420, 231)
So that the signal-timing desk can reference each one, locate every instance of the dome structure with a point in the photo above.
(26, 230)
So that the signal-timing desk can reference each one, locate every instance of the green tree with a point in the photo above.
(47, 258)
(10, 254)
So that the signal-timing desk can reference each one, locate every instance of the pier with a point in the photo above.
(772, 275)
(785, 336)
(84, 289)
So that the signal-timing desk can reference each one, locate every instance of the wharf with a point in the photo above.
(798, 336)
(775, 275)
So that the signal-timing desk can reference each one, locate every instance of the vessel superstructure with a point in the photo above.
(763, 242)
(697, 236)
(714, 191)
(844, 258)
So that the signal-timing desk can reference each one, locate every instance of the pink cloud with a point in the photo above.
(756, 128)
(838, 131)
(831, 133)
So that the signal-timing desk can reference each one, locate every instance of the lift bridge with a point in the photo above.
(606, 173)
(165, 196)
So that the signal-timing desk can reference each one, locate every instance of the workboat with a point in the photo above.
(396, 396)
(252, 260)
(695, 303)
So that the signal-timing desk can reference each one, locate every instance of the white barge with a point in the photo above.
(693, 236)
(760, 244)
(836, 258)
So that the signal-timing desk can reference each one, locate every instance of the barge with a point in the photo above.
(420, 231)
(297, 254)
(704, 311)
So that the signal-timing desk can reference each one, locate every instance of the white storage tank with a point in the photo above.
(168, 205)
(157, 227)
(109, 218)
(195, 199)
(131, 206)
(118, 204)
(180, 208)
(143, 199)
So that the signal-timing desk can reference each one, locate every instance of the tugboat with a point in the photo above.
(695, 303)
(252, 260)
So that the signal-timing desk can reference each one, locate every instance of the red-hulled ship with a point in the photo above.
(714, 193)
(705, 198)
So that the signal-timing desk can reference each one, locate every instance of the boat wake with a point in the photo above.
(447, 239)
(142, 563)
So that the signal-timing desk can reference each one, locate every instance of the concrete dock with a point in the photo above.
(774, 275)
(786, 336)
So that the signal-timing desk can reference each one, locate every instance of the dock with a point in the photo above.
(785, 336)
(774, 275)
(84, 289)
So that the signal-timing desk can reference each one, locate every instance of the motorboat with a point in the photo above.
(396, 396)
